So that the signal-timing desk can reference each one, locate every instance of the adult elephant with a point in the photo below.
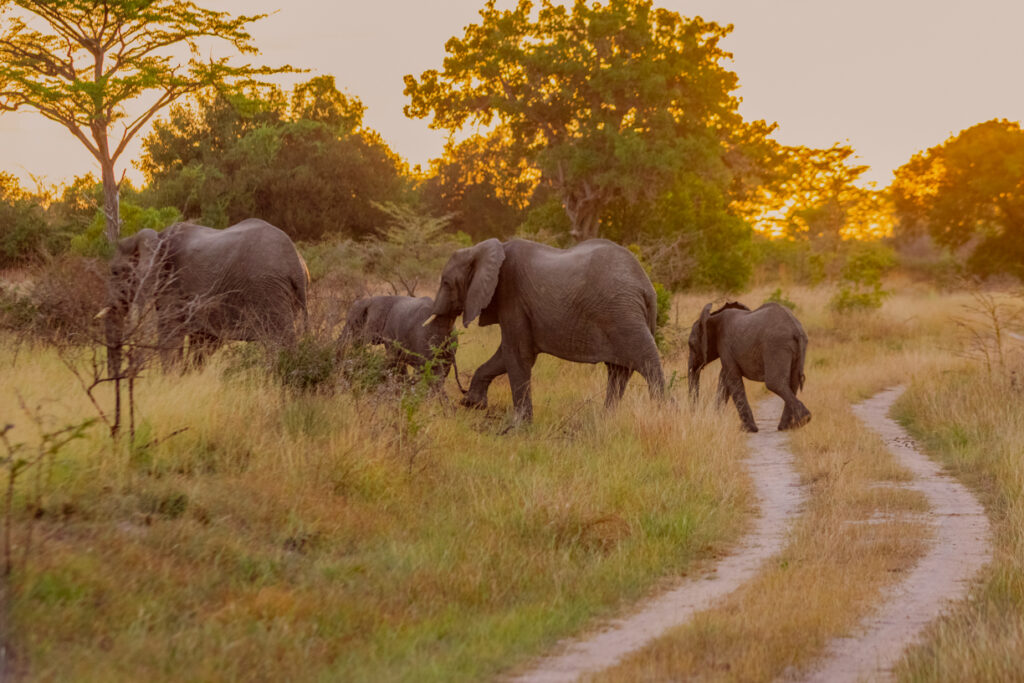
(246, 282)
(767, 345)
(591, 303)
(406, 327)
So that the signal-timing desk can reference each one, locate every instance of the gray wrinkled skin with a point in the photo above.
(398, 323)
(767, 345)
(246, 282)
(591, 303)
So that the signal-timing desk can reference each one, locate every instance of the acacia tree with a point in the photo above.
(90, 65)
(968, 190)
(609, 102)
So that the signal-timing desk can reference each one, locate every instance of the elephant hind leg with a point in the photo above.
(618, 376)
(795, 414)
(650, 368)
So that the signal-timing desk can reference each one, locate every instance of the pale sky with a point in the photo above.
(889, 77)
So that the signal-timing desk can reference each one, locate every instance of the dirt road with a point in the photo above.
(779, 494)
(961, 546)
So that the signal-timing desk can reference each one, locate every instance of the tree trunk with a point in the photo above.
(584, 215)
(111, 202)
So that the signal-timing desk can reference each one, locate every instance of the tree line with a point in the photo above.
(616, 119)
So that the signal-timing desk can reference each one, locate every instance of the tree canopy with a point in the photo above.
(969, 192)
(605, 102)
(303, 162)
(91, 65)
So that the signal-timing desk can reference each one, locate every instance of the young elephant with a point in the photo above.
(767, 345)
(398, 323)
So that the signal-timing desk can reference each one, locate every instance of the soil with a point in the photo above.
(779, 495)
(960, 547)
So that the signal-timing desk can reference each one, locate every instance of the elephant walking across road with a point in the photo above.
(401, 324)
(767, 345)
(246, 282)
(591, 303)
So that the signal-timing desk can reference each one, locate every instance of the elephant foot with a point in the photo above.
(795, 423)
(469, 402)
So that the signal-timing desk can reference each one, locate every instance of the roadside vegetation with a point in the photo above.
(971, 418)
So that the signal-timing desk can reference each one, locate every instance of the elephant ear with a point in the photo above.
(702, 325)
(486, 264)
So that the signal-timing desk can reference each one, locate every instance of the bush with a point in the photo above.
(308, 367)
(62, 303)
(860, 284)
(93, 242)
(779, 297)
(26, 235)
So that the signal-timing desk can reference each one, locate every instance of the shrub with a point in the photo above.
(779, 297)
(309, 366)
(860, 284)
(61, 304)
(94, 243)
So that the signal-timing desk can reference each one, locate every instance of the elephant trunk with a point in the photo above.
(694, 375)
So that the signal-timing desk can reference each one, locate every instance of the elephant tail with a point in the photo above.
(796, 379)
(651, 299)
(300, 289)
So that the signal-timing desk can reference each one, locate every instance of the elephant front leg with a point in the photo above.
(734, 384)
(476, 397)
(519, 365)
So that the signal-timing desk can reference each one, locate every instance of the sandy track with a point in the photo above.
(960, 548)
(778, 490)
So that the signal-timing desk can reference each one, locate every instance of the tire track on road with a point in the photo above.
(779, 495)
(961, 546)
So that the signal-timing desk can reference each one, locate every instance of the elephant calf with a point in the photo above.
(767, 345)
(401, 324)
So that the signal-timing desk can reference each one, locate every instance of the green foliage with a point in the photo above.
(553, 80)
(311, 169)
(779, 297)
(968, 190)
(412, 250)
(860, 284)
(93, 242)
(308, 367)
(664, 297)
(86, 65)
(26, 233)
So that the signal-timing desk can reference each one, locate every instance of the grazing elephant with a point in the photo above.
(591, 303)
(767, 345)
(401, 324)
(246, 282)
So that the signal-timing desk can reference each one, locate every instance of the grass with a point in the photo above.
(319, 536)
(836, 565)
(383, 537)
(974, 422)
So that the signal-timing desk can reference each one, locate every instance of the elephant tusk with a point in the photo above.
(103, 313)
(429, 320)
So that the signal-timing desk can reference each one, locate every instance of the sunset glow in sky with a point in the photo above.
(889, 78)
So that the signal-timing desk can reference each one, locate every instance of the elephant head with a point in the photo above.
(469, 280)
(699, 350)
(131, 277)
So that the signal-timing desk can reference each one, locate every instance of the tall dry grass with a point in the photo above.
(368, 537)
(973, 419)
(857, 534)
